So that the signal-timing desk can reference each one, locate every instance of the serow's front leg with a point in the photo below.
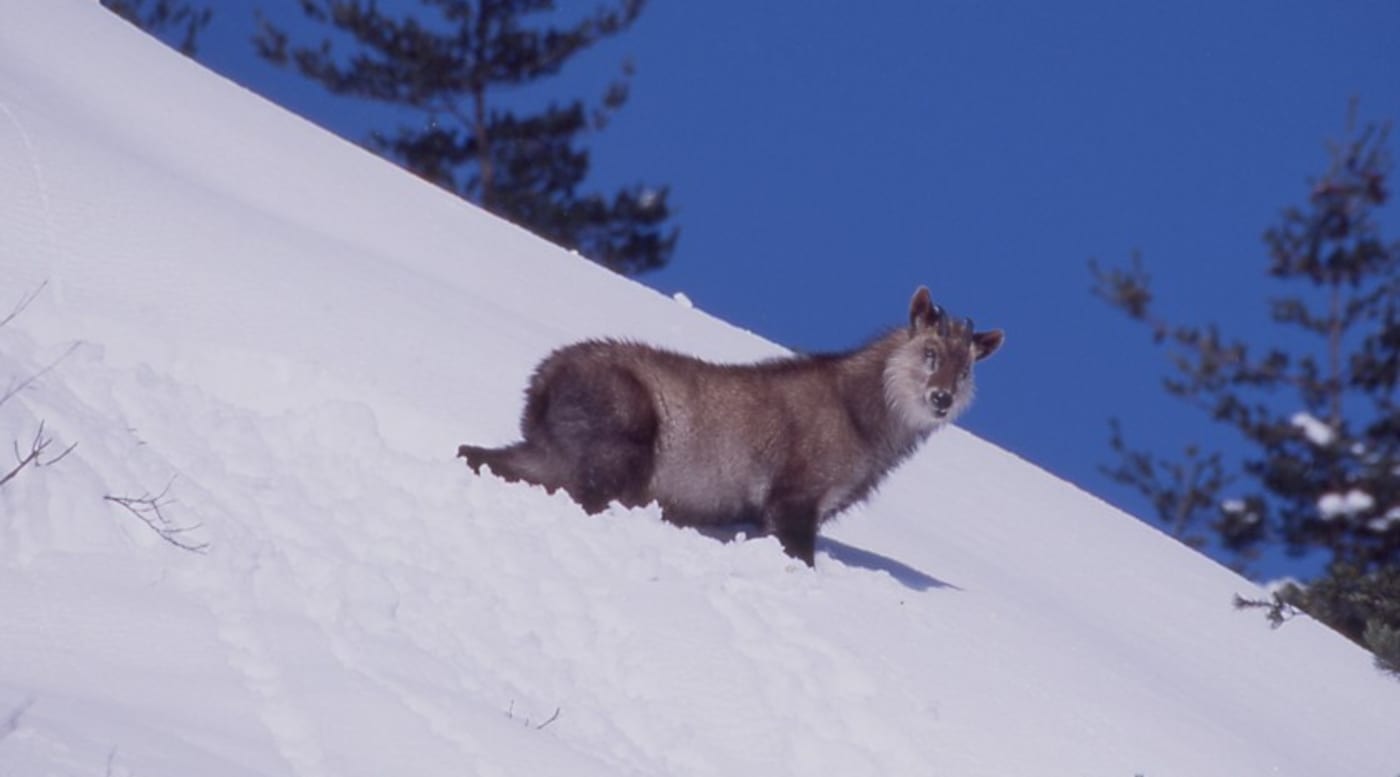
(794, 523)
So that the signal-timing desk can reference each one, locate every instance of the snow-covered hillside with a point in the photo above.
(278, 341)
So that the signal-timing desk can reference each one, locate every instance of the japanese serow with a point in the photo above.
(785, 444)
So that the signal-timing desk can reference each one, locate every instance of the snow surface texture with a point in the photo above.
(281, 340)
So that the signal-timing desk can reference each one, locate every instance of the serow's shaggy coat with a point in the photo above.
(784, 444)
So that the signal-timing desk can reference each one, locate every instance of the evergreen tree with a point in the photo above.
(1319, 418)
(160, 17)
(452, 69)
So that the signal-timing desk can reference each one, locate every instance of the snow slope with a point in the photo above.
(284, 339)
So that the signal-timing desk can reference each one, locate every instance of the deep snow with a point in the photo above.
(285, 339)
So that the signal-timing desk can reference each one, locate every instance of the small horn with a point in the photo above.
(968, 325)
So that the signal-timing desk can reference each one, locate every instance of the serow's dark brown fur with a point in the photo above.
(785, 444)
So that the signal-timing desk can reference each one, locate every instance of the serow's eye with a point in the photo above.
(931, 356)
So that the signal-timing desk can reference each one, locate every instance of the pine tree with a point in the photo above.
(451, 70)
(1319, 418)
(160, 17)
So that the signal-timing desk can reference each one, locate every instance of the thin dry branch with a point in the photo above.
(34, 456)
(18, 386)
(23, 303)
(148, 509)
(551, 719)
(510, 713)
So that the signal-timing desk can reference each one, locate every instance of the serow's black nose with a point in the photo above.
(942, 400)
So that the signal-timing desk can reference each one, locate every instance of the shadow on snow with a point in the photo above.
(848, 555)
(861, 558)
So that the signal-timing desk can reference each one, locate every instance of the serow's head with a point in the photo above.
(929, 377)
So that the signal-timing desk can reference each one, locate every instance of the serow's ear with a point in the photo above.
(922, 311)
(985, 344)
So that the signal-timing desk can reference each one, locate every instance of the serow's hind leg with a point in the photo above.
(513, 463)
(593, 475)
(475, 456)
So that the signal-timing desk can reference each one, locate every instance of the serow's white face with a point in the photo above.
(929, 379)
(946, 365)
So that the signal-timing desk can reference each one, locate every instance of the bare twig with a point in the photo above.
(510, 713)
(552, 718)
(148, 509)
(23, 303)
(34, 456)
(21, 385)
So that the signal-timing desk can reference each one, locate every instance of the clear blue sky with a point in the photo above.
(825, 158)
